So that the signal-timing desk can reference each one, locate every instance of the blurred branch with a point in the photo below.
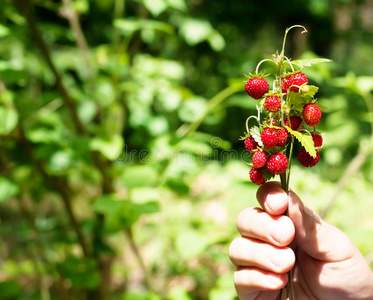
(129, 234)
(60, 186)
(69, 13)
(25, 7)
(186, 130)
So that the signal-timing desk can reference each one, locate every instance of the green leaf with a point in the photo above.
(8, 189)
(310, 61)
(155, 7)
(311, 91)
(8, 120)
(81, 272)
(267, 175)
(110, 148)
(4, 31)
(143, 175)
(305, 139)
(255, 133)
(10, 289)
(191, 243)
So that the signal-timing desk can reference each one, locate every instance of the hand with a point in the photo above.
(327, 265)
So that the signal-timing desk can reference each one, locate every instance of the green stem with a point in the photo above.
(215, 101)
(286, 33)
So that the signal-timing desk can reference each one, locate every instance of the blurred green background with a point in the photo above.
(122, 172)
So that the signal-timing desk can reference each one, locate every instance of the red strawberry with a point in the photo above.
(272, 104)
(317, 139)
(256, 176)
(269, 137)
(250, 144)
(277, 163)
(295, 122)
(306, 159)
(311, 114)
(282, 135)
(256, 87)
(294, 79)
(259, 159)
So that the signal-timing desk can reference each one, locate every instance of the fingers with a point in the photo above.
(272, 198)
(261, 253)
(257, 224)
(247, 252)
(317, 238)
(250, 281)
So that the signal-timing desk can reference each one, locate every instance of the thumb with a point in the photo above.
(316, 237)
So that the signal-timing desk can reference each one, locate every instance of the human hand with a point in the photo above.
(327, 265)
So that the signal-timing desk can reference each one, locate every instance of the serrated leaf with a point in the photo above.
(308, 62)
(294, 99)
(305, 139)
(322, 107)
(255, 133)
(312, 90)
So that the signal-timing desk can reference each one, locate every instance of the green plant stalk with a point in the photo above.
(212, 103)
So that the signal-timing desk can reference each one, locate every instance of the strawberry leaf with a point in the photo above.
(322, 107)
(305, 139)
(308, 62)
(255, 133)
(309, 91)
(266, 174)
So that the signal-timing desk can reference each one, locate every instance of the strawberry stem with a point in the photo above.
(286, 33)
(262, 61)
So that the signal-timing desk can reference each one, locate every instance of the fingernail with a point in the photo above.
(276, 198)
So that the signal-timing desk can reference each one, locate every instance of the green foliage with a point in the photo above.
(121, 173)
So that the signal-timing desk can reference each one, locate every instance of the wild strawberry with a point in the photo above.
(256, 87)
(259, 159)
(294, 79)
(277, 163)
(256, 176)
(317, 139)
(306, 159)
(282, 135)
(250, 144)
(295, 122)
(272, 104)
(269, 137)
(311, 114)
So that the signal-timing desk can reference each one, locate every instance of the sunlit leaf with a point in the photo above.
(8, 189)
(256, 134)
(309, 62)
(8, 120)
(305, 139)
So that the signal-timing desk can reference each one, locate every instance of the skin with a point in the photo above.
(325, 262)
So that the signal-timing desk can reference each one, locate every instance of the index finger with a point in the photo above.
(272, 198)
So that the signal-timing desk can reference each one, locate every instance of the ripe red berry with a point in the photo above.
(256, 87)
(272, 104)
(277, 163)
(317, 139)
(250, 144)
(269, 137)
(311, 114)
(282, 135)
(294, 79)
(306, 159)
(259, 159)
(256, 176)
(295, 122)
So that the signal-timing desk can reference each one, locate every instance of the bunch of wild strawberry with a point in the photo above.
(291, 114)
